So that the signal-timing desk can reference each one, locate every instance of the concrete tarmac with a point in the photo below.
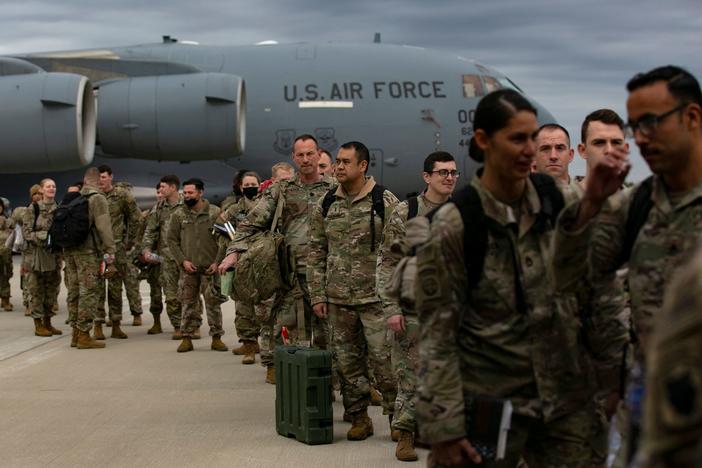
(138, 403)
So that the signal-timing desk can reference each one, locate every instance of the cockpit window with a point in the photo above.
(491, 84)
(472, 86)
(507, 83)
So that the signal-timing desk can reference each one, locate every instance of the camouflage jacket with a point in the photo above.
(124, 215)
(6, 226)
(229, 201)
(157, 224)
(667, 239)
(36, 234)
(341, 264)
(299, 198)
(476, 341)
(100, 240)
(190, 236)
(393, 249)
(236, 212)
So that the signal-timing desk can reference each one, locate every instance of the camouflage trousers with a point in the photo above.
(405, 358)
(124, 276)
(265, 316)
(170, 278)
(5, 271)
(83, 292)
(245, 323)
(191, 287)
(361, 339)
(153, 277)
(24, 281)
(286, 316)
(43, 289)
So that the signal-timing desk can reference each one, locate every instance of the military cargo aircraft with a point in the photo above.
(204, 111)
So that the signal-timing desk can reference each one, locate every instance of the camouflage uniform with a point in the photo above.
(155, 235)
(299, 199)
(405, 353)
(45, 266)
(153, 274)
(673, 413)
(83, 262)
(231, 199)
(190, 238)
(17, 215)
(479, 341)
(341, 272)
(6, 226)
(124, 216)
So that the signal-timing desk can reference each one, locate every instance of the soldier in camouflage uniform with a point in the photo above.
(153, 274)
(83, 263)
(124, 216)
(45, 265)
(341, 269)
(17, 216)
(194, 247)
(236, 194)
(664, 107)
(298, 195)
(440, 175)
(6, 227)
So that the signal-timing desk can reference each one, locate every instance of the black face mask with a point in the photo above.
(250, 192)
(190, 202)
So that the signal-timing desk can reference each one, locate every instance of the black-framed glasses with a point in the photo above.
(647, 124)
(444, 173)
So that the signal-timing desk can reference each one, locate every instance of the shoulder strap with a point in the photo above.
(35, 205)
(413, 205)
(327, 202)
(475, 231)
(278, 207)
(377, 208)
(639, 208)
(551, 199)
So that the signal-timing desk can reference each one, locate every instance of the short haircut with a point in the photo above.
(323, 151)
(104, 168)
(606, 116)
(362, 153)
(681, 84)
(435, 157)
(170, 179)
(158, 185)
(198, 183)
(553, 126)
(281, 167)
(92, 175)
(303, 137)
(250, 174)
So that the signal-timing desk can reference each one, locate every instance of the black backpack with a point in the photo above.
(71, 223)
(378, 208)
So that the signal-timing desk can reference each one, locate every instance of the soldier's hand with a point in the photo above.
(320, 310)
(608, 175)
(212, 269)
(228, 262)
(189, 267)
(454, 452)
(396, 323)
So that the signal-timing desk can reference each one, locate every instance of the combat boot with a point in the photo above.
(39, 329)
(48, 326)
(376, 398)
(405, 447)
(136, 321)
(85, 341)
(270, 375)
(185, 345)
(347, 417)
(218, 344)
(97, 331)
(361, 426)
(117, 331)
(156, 328)
(6, 305)
(394, 433)
(74, 337)
(177, 335)
(249, 352)
(240, 350)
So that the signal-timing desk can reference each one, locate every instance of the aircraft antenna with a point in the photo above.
(376, 38)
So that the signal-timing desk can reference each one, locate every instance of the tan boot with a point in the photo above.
(85, 341)
(270, 375)
(117, 331)
(347, 417)
(394, 433)
(48, 326)
(218, 344)
(177, 335)
(156, 328)
(39, 329)
(74, 338)
(249, 353)
(376, 398)
(239, 350)
(361, 426)
(136, 321)
(6, 305)
(97, 331)
(405, 447)
(185, 345)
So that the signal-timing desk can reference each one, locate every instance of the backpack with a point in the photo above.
(71, 223)
(639, 208)
(378, 207)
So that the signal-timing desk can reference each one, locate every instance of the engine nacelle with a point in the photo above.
(47, 122)
(189, 117)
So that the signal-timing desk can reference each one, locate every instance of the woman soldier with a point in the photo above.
(6, 226)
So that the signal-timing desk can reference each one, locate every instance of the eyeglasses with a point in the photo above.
(444, 173)
(648, 124)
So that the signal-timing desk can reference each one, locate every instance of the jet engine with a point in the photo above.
(47, 122)
(188, 117)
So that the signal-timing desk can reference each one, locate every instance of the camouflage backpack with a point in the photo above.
(267, 266)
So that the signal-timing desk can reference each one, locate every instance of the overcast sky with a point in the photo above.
(571, 56)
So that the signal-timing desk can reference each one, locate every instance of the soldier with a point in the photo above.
(326, 163)
(298, 195)
(17, 215)
(601, 131)
(152, 274)
(440, 175)
(83, 263)
(491, 325)
(44, 265)
(194, 247)
(6, 227)
(345, 232)
(124, 215)
(656, 225)
(279, 171)
(245, 321)
(69, 276)
(236, 190)
(155, 239)
(553, 152)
